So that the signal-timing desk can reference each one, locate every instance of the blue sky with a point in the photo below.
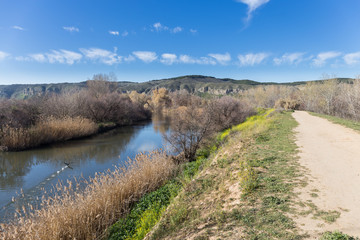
(139, 40)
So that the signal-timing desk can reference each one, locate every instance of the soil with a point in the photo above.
(330, 155)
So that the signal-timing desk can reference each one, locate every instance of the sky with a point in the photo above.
(50, 41)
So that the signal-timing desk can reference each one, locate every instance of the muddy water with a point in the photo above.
(24, 176)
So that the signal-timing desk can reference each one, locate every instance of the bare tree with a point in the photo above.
(190, 126)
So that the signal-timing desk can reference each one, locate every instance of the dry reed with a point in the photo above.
(74, 214)
(45, 131)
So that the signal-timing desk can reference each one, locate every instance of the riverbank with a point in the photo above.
(245, 189)
(52, 130)
(242, 188)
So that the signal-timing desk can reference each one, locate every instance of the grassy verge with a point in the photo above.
(269, 166)
(148, 211)
(245, 192)
(345, 122)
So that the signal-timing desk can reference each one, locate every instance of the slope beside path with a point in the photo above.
(330, 155)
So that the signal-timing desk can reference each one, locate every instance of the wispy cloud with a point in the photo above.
(115, 33)
(168, 58)
(352, 58)
(38, 57)
(177, 29)
(125, 33)
(3, 55)
(71, 29)
(321, 58)
(252, 59)
(145, 56)
(158, 27)
(221, 58)
(252, 6)
(101, 55)
(290, 58)
(129, 58)
(18, 28)
(202, 60)
(54, 56)
(193, 31)
(65, 56)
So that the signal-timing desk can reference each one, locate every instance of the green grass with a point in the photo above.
(148, 211)
(345, 122)
(270, 153)
(265, 164)
(336, 236)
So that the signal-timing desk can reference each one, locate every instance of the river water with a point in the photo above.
(25, 175)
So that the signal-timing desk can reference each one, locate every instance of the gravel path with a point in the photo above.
(330, 154)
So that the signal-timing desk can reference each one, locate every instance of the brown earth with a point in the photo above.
(330, 154)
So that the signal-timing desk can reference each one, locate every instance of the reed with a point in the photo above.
(46, 130)
(86, 214)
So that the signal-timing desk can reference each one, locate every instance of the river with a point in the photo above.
(24, 176)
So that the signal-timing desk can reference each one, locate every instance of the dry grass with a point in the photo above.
(47, 130)
(74, 214)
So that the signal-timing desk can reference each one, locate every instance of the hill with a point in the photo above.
(191, 83)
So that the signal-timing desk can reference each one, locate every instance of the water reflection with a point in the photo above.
(15, 165)
(161, 123)
(41, 168)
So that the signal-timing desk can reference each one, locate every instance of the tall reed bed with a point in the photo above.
(46, 130)
(74, 214)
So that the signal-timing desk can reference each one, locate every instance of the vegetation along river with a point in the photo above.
(24, 176)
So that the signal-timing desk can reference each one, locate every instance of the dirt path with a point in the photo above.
(330, 154)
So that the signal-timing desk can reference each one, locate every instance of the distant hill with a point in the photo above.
(191, 83)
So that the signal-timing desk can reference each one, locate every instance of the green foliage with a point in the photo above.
(266, 166)
(147, 212)
(248, 178)
(336, 236)
(345, 122)
(251, 123)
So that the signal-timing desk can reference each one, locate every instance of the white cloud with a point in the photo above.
(130, 58)
(115, 33)
(193, 31)
(18, 28)
(54, 56)
(321, 58)
(145, 56)
(252, 58)
(352, 58)
(101, 55)
(38, 57)
(159, 27)
(22, 58)
(70, 57)
(221, 58)
(252, 6)
(168, 58)
(177, 29)
(203, 60)
(125, 34)
(289, 58)
(3, 55)
(71, 29)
